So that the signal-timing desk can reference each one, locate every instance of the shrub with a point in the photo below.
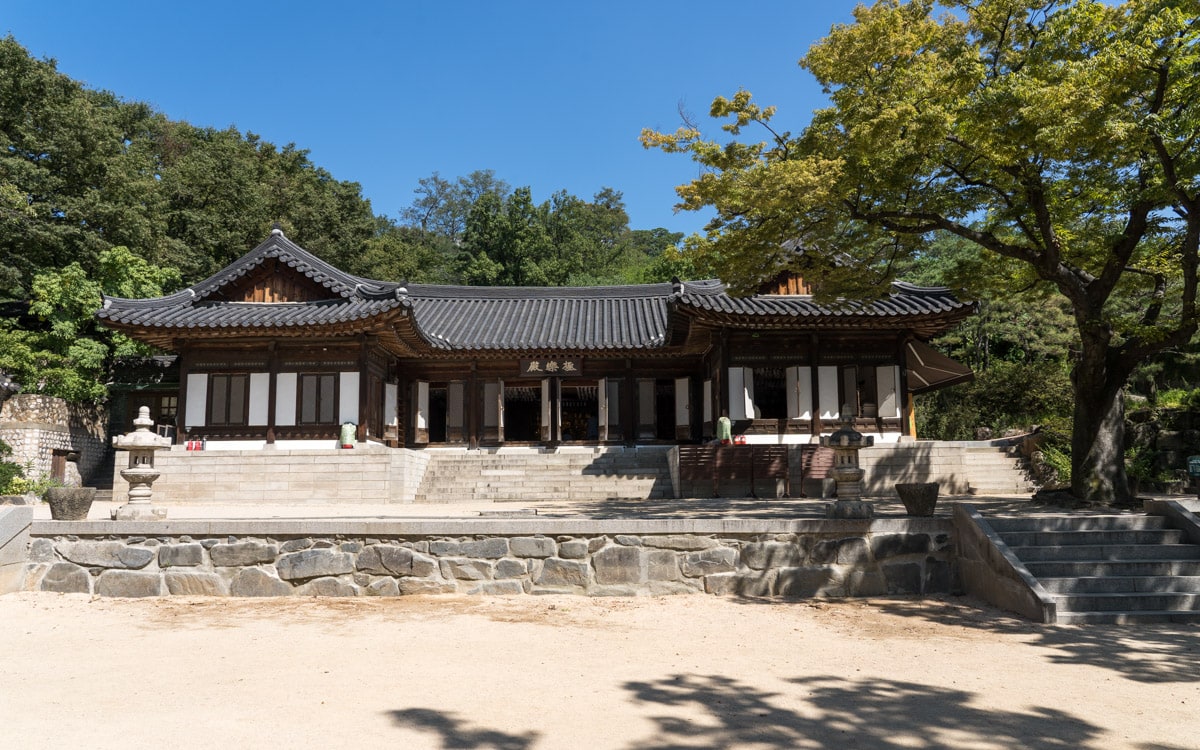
(11, 473)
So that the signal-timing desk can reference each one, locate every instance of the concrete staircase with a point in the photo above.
(1109, 569)
(523, 475)
(997, 470)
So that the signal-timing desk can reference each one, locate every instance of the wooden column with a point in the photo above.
(474, 402)
(908, 415)
(629, 412)
(815, 373)
(721, 382)
(181, 415)
(555, 411)
(272, 373)
(696, 405)
(364, 380)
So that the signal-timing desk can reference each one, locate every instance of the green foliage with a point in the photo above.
(1058, 140)
(9, 471)
(1058, 457)
(1007, 395)
(98, 194)
(67, 355)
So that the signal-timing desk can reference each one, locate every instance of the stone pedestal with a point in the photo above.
(849, 509)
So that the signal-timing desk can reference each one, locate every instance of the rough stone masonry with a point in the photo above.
(820, 563)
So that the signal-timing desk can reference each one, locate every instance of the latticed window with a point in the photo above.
(318, 399)
(228, 399)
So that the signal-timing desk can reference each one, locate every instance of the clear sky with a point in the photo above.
(549, 94)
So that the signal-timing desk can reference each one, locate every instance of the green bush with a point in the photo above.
(11, 473)
(1008, 395)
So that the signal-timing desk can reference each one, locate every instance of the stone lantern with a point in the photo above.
(846, 444)
(141, 444)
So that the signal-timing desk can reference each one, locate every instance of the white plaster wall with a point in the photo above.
(389, 404)
(197, 398)
(348, 398)
(260, 397)
(886, 378)
(285, 399)
(827, 396)
(799, 392)
(683, 411)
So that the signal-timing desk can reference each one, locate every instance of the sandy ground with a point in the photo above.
(572, 672)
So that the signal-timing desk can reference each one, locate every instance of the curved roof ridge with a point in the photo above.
(277, 245)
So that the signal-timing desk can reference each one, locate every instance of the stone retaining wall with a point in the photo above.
(366, 474)
(813, 558)
(35, 426)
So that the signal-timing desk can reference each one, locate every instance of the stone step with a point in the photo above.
(1127, 602)
(1097, 552)
(1127, 617)
(1106, 568)
(1004, 524)
(1012, 489)
(1122, 584)
(1096, 537)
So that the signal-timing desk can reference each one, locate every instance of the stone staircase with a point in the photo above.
(524, 475)
(997, 470)
(1109, 569)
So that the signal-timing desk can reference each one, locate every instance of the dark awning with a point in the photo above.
(929, 369)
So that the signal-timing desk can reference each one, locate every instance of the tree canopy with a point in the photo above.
(102, 194)
(1059, 139)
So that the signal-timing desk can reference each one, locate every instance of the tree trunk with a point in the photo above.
(1098, 429)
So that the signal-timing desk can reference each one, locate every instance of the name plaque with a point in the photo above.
(546, 367)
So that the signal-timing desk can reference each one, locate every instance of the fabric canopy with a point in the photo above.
(929, 369)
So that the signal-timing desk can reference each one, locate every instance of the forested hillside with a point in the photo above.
(100, 194)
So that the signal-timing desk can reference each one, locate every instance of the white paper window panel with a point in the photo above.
(197, 400)
(827, 392)
(348, 398)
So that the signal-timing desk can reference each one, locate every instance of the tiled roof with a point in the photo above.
(527, 318)
(903, 301)
(459, 318)
(355, 298)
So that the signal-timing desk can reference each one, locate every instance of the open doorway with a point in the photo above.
(580, 410)
(522, 412)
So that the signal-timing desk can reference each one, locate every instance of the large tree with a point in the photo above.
(1059, 138)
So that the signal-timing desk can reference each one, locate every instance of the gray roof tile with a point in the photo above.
(458, 318)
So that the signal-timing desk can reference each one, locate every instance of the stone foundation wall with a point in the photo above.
(35, 426)
(366, 474)
(798, 559)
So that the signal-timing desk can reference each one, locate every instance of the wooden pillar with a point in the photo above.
(721, 382)
(272, 373)
(696, 404)
(181, 415)
(815, 426)
(555, 411)
(472, 407)
(908, 415)
(629, 411)
(364, 380)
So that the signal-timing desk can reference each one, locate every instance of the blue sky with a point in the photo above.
(551, 95)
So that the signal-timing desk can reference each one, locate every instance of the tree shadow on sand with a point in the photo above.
(1152, 653)
(458, 733)
(834, 712)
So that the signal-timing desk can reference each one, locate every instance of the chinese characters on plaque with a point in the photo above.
(551, 367)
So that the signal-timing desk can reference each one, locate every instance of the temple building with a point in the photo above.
(281, 349)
